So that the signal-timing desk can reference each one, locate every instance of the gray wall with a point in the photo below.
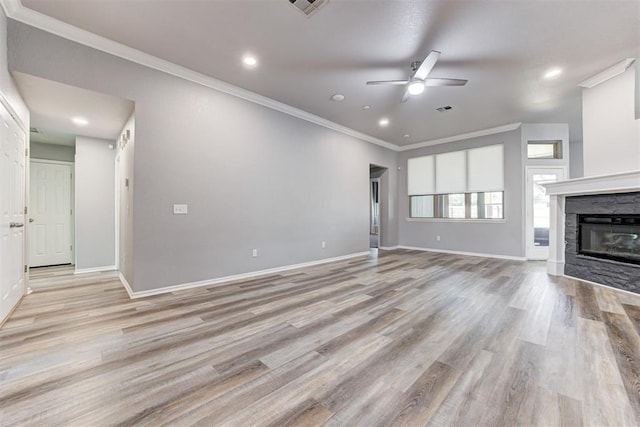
(125, 201)
(52, 152)
(611, 136)
(496, 238)
(577, 164)
(8, 89)
(95, 204)
(252, 177)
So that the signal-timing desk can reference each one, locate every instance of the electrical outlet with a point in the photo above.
(254, 253)
(324, 245)
(438, 238)
(180, 209)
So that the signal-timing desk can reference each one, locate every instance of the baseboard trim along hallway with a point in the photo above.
(445, 251)
(225, 279)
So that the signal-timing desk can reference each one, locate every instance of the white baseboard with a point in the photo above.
(126, 285)
(445, 251)
(599, 284)
(243, 276)
(95, 270)
(389, 248)
(555, 268)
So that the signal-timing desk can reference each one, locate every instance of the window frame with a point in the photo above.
(439, 209)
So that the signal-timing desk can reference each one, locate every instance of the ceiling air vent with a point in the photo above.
(34, 130)
(445, 108)
(308, 7)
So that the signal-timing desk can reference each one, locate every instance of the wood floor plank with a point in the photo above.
(405, 337)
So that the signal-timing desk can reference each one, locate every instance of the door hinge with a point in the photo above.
(25, 268)
(25, 210)
(26, 152)
(70, 211)
(70, 247)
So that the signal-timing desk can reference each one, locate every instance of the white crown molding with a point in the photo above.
(475, 134)
(243, 276)
(14, 10)
(607, 74)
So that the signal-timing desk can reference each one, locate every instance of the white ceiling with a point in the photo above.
(53, 106)
(502, 47)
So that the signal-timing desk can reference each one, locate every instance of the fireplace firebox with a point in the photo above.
(613, 237)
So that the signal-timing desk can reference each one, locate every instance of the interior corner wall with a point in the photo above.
(501, 238)
(125, 187)
(611, 133)
(637, 89)
(252, 177)
(576, 169)
(95, 204)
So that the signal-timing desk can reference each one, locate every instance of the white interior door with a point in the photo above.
(50, 205)
(538, 212)
(12, 198)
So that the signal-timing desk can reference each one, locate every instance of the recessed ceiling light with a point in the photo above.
(406, 136)
(338, 97)
(384, 122)
(249, 61)
(415, 88)
(80, 121)
(553, 73)
(366, 107)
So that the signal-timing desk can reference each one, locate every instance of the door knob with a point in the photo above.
(16, 225)
(31, 219)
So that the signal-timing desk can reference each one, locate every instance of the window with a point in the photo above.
(422, 207)
(465, 184)
(485, 205)
(544, 149)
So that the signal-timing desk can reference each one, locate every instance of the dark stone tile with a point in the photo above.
(616, 274)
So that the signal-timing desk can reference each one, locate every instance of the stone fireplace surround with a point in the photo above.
(617, 193)
(612, 273)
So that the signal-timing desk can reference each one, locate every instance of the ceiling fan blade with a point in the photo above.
(388, 82)
(427, 65)
(445, 82)
(405, 97)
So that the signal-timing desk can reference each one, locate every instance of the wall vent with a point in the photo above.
(308, 7)
(445, 108)
(34, 130)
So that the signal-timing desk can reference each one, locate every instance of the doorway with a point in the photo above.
(375, 204)
(51, 214)
(12, 212)
(537, 209)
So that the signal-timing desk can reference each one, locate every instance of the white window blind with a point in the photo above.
(451, 174)
(420, 176)
(485, 169)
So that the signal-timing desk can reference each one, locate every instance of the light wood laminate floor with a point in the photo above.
(408, 338)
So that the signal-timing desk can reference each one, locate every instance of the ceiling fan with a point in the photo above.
(418, 81)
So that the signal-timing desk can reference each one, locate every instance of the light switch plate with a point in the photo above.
(180, 209)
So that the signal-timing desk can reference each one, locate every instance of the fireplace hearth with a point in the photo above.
(613, 237)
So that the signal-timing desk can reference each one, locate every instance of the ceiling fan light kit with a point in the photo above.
(416, 87)
(418, 81)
